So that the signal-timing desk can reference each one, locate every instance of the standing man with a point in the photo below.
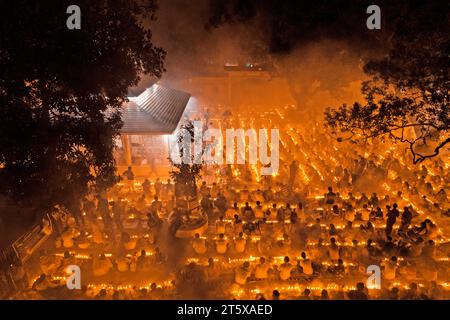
(391, 218)
(129, 175)
(293, 168)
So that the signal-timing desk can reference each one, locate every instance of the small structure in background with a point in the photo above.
(149, 120)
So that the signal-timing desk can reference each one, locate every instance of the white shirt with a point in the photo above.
(199, 246)
(221, 246)
(262, 270)
(239, 244)
(285, 271)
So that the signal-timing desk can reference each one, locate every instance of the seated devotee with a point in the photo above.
(260, 296)
(408, 270)
(363, 201)
(129, 243)
(284, 213)
(83, 241)
(220, 225)
(442, 197)
(221, 244)
(67, 260)
(416, 249)
(348, 232)
(277, 230)
(350, 215)
(207, 205)
(97, 234)
(429, 250)
(231, 212)
(199, 244)
(262, 269)
(431, 229)
(294, 218)
(285, 269)
(43, 283)
(285, 244)
(141, 203)
(297, 272)
(238, 225)
(275, 295)
(49, 263)
(221, 204)
(378, 213)
(330, 196)
(263, 227)
(242, 273)
(258, 210)
(338, 269)
(373, 201)
(101, 265)
(365, 213)
(156, 206)
(272, 213)
(214, 190)
(359, 293)
(332, 231)
(429, 270)
(306, 265)
(258, 196)
(155, 293)
(123, 264)
(244, 194)
(247, 212)
(240, 243)
(133, 262)
(142, 262)
(335, 217)
(212, 270)
(319, 251)
(300, 213)
(333, 250)
(393, 294)
(146, 188)
(315, 231)
(435, 291)
(68, 236)
(390, 269)
(306, 295)
(204, 190)
(158, 257)
(324, 295)
(412, 293)
(102, 295)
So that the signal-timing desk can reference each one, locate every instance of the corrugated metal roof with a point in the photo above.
(157, 110)
(144, 83)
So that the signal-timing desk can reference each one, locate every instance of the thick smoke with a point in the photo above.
(318, 74)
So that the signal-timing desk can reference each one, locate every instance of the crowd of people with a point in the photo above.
(308, 232)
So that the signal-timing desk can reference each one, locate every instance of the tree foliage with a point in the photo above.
(61, 91)
(407, 96)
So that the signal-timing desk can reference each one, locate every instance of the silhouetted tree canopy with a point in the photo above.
(407, 97)
(408, 60)
(287, 24)
(61, 92)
